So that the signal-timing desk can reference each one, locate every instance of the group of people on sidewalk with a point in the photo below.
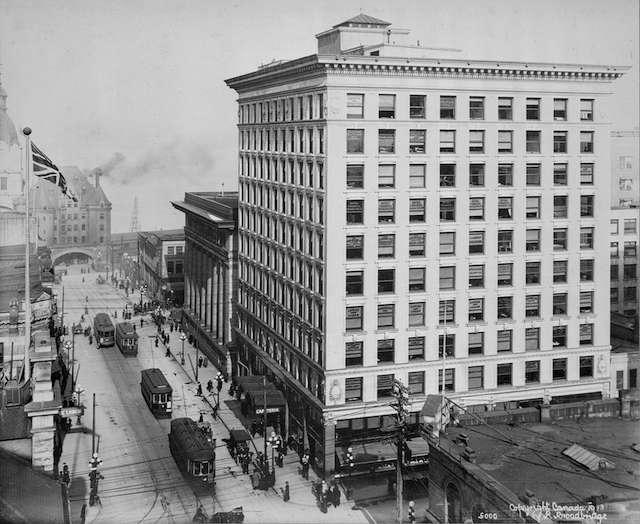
(327, 495)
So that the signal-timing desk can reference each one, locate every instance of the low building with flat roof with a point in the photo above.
(554, 470)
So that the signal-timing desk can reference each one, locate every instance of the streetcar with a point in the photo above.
(103, 330)
(193, 450)
(126, 339)
(156, 392)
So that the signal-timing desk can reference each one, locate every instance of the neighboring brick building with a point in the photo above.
(161, 264)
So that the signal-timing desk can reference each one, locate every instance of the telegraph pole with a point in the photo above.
(400, 394)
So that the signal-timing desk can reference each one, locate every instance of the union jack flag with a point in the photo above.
(44, 168)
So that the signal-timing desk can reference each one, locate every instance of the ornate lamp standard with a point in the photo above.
(273, 441)
(183, 337)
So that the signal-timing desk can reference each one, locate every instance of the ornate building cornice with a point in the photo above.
(310, 66)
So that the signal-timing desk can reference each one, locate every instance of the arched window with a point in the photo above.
(454, 513)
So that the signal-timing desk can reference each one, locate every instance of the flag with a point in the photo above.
(44, 168)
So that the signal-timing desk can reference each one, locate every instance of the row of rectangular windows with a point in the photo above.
(289, 109)
(449, 177)
(355, 141)
(449, 108)
(386, 315)
(300, 205)
(630, 250)
(355, 209)
(475, 378)
(447, 243)
(630, 294)
(385, 348)
(298, 338)
(307, 140)
(629, 272)
(261, 247)
(304, 273)
(386, 278)
(290, 171)
(630, 226)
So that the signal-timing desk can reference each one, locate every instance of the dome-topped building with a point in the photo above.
(11, 188)
(8, 133)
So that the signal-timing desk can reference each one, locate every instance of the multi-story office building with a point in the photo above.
(625, 237)
(404, 212)
(161, 264)
(625, 168)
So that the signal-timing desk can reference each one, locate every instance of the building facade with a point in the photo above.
(75, 231)
(625, 237)
(210, 276)
(161, 265)
(408, 214)
(625, 168)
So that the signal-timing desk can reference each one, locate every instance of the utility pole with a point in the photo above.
(93, 427)
(400, 394)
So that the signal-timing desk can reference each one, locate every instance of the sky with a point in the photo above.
(138, 85)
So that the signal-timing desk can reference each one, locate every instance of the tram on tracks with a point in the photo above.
(103, 330)
(127, 339)
(193, 450)
(156, 392)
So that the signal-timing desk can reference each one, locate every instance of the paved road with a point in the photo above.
(138, 467)
(132, 443)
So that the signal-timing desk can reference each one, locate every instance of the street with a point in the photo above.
(139, 471)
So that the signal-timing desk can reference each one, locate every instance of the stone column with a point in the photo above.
(225, 308)
(209, 292)
(329, 446)
(214, 300)
(187, 275)
(220, 300)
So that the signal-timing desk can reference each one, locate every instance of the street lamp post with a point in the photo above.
(68, 346)
(273, 440)
(183, 337)
(79, 391)
(350, 464)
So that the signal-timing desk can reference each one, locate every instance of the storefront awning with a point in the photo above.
(252, 383)
(273, 399)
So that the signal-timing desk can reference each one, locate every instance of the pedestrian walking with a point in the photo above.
(199, 362)
(305, 464)
(90, 339)
(324, 495)
(219, 380)
(141, 321)
(285, 491)
(134, 328)
(201, 418)
(412, 512)
(209, 386)
(214, 412)
(199, 393)
(335, 495)
(156, 342)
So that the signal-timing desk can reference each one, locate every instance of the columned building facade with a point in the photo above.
(210, 272)
(406, 214)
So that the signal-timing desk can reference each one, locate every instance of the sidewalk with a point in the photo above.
(232, 487)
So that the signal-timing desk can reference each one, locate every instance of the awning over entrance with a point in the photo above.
(252, 383)
(273, 399)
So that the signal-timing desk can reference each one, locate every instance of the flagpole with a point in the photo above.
(27, 267)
